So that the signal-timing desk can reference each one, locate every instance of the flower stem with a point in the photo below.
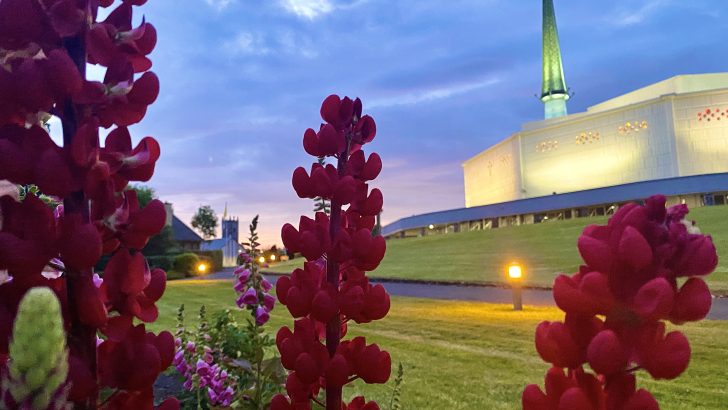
(333, 327)
(81, 337)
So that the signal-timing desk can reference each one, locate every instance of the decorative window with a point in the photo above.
(545, 146)
(505, 159)
(715, 114)
(632, 126)
(587, 138)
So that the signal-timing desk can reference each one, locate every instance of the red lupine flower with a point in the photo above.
(130, 225)
(327, 142)
(692, 302)
(30, 156)
(364, 170)
(337, 112)
(280, 402)
(27, 238)
(332, 287)
(630, 278)
(129, 164)
(115, 36)
(23, 23)
(43, 55)
(360, 403)
(30, 85)
(79, 242)
(135, 362)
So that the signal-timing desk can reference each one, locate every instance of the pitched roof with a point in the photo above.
(182, 232)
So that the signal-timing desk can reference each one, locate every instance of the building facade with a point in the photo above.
(668, 138)
(674, 128)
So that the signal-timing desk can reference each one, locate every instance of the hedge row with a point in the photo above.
(178, 266)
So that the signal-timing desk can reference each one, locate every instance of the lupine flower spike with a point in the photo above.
(643, 268)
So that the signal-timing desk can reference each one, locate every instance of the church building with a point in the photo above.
(670, 137)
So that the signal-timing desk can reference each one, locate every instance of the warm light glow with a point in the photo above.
(431, 226)
(202, 267)
(261, 259)
(273, 257)
(515, 271)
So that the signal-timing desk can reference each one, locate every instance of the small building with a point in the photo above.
(229, 243)
(186, 238)
(229, 247)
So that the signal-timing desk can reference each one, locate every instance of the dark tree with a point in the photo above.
(145, 194)
(205, 221)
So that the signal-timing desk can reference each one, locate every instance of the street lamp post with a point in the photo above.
(515, 276)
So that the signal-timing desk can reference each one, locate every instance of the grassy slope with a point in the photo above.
(545, 249)
(466, 355)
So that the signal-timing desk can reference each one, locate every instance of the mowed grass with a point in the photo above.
(468, 355)
(545, 250)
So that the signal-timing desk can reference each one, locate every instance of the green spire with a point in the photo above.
(553, 92)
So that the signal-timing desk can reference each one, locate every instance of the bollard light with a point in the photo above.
(515, 271)
(202, 267)
(515, 276)
(261, 259)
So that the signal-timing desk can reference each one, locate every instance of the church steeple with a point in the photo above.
(554, 92)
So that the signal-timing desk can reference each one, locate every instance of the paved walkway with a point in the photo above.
(489, 294)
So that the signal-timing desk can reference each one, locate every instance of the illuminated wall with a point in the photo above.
(661, 131)
(701, 133)
(493, 175)
(601, 150)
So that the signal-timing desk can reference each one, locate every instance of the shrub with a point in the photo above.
(172, 275)
(164, 262)
(186, 264)
(213, 257)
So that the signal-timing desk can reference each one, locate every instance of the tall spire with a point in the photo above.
(553, 92)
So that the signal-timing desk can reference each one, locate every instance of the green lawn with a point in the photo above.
(468, 355)
(545, 249)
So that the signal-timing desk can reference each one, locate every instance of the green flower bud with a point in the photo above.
(38, 363)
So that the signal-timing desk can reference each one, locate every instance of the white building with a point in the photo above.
(674, 128)
(669, 138)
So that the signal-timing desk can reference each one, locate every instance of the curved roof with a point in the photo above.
(590, 197)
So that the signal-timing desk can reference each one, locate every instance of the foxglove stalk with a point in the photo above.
(249, 282)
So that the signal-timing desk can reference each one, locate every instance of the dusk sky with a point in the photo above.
(242, 80)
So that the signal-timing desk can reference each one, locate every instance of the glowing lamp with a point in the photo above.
(273, 258)
(431, 226)
(201, 267)
(515, 275)
(515, 271)
(261, 259)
